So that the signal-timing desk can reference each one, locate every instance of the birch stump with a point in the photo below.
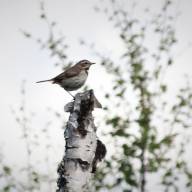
(83, 149)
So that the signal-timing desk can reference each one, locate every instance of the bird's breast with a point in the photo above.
(75, 82)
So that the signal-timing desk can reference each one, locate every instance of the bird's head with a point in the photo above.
(84, 64)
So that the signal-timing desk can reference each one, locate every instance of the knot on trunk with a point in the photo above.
(99, 155)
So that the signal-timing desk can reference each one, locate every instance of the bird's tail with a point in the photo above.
(44, 81)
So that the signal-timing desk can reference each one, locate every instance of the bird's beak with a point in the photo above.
(93, 63)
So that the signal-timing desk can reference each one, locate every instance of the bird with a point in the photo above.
(72, 78)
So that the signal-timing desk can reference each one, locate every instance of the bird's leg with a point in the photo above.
(71, 94)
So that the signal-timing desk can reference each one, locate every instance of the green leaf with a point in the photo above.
(168, 140)
(163, 88)
(113, 121)
(7, 188)
(120, 133)
(7, 170)
(128, 151)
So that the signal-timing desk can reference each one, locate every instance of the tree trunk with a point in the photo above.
(83, 150)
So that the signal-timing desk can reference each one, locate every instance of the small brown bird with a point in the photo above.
(72, 78)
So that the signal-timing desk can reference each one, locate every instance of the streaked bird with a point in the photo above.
(73, 78)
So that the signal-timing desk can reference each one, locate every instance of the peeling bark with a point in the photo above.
(83, 150)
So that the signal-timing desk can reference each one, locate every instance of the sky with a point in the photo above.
(22, 58)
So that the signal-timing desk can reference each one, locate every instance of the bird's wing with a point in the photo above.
(66, 74)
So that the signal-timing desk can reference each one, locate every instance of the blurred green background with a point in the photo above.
(142, 78)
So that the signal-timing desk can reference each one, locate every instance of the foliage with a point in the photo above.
(30, 177)
(148, 134)
(8, 182)
(54, 42)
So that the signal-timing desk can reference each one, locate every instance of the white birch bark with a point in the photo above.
(79, 161)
